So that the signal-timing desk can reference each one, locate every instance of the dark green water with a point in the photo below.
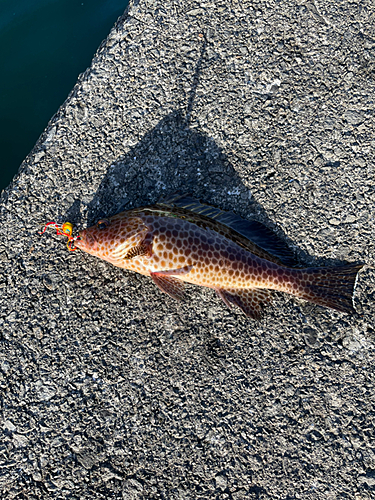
(44, 45)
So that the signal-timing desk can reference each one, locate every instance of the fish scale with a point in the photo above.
(241, 260)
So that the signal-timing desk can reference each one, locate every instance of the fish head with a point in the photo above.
(111, 239)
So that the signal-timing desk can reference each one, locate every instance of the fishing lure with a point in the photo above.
(65, 229)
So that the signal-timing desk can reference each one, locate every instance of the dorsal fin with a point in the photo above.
(259, 236)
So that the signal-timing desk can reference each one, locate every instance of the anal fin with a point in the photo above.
(169, 285)
(250, 300)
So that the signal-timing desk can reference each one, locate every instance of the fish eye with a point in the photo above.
(102, 224)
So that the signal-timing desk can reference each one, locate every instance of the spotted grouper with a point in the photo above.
(181, 240)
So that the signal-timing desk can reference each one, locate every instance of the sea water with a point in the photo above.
(44, 46)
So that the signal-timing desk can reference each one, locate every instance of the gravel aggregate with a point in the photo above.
(110, 389)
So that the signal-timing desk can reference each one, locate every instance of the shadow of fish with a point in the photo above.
(180, 240)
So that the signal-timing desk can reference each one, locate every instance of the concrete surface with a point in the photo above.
(110, 389)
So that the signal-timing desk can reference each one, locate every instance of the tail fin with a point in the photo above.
(330, 286)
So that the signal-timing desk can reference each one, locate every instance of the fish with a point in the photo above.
(180, 240)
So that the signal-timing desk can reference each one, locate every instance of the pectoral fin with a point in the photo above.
(138, 251)
(251, 301)
(142, 245)
(172, 286)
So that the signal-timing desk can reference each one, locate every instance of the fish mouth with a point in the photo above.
(86, 241)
